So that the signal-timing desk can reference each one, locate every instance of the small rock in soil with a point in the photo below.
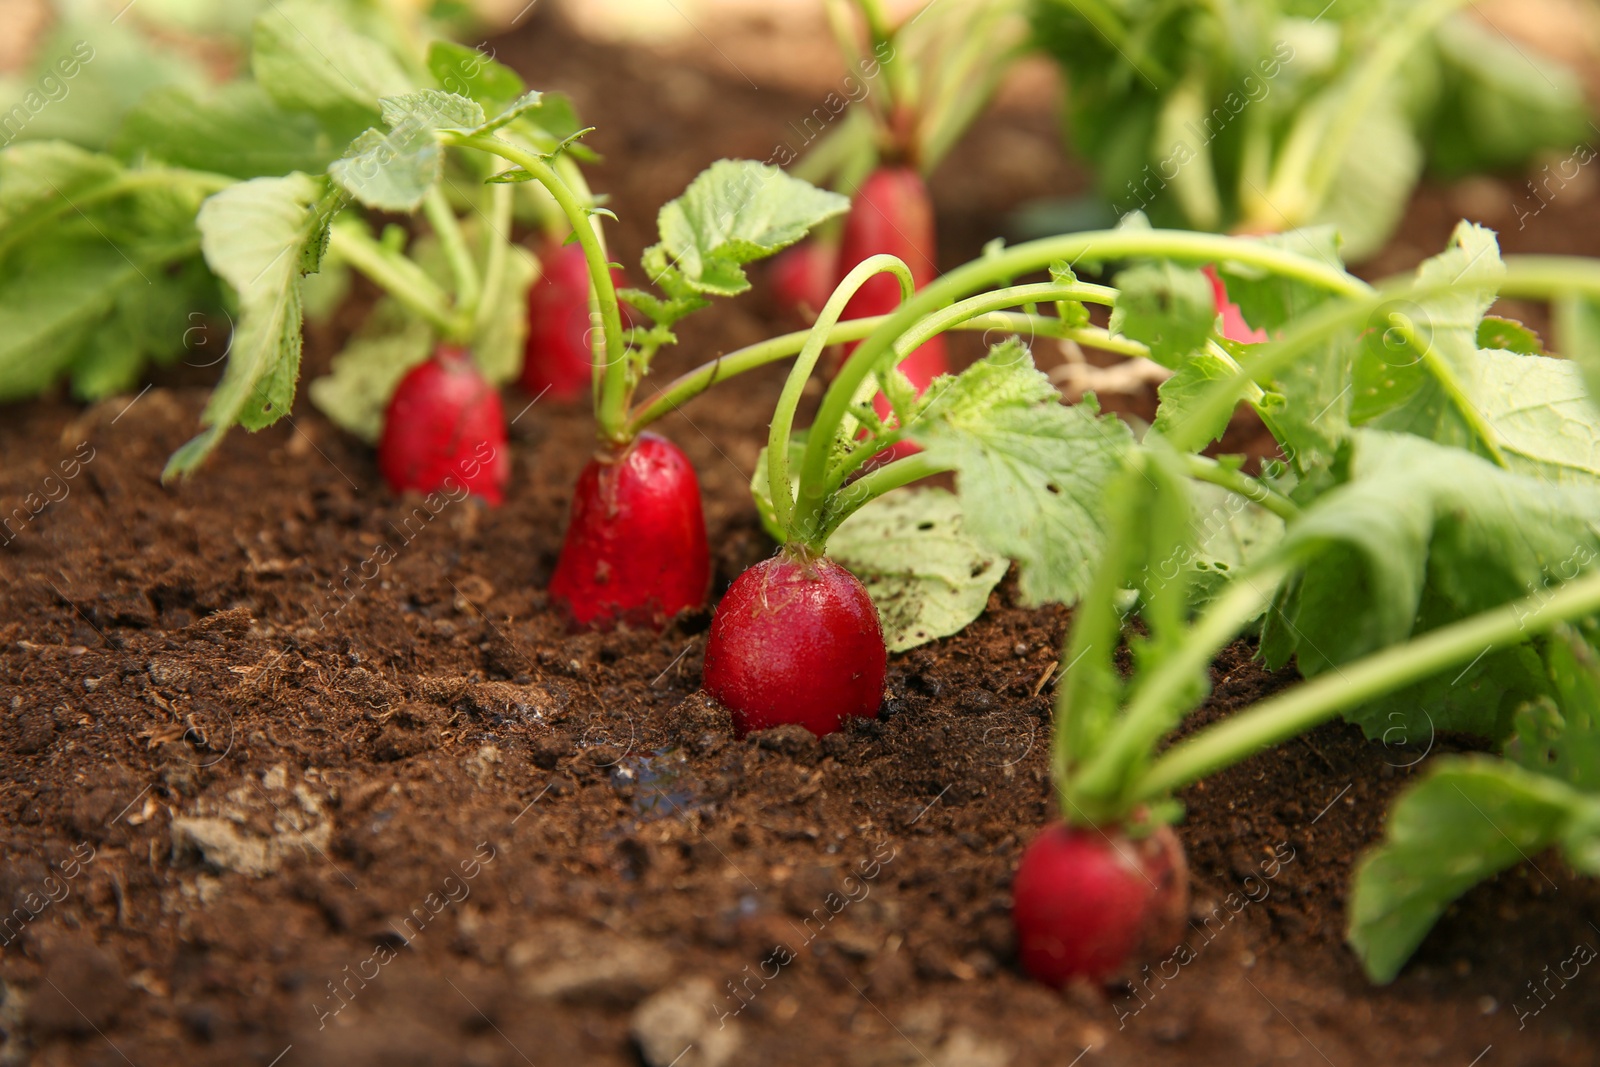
(792, 740)
(963, 1048)
(680, 1027)
(82, 990)
(700, 724)
(576, 962)
(36, 728)
(977, 700)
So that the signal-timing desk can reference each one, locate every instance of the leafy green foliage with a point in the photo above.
(1418, 536)
(96, 270)
(1166, 306)
(234, 129)
(736, 211)
(1471, 817)
(1030, 470)
(256, 236)
(1277, 114)
(310, 60)
(363, 377)
(467, 72)
(928, 578)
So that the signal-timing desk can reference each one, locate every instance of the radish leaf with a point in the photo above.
(1030, 470)
(735, 212)
(1471, 817)
(468, 72)
(256, 236)
(1166, 306)
(926, 576)
(309, 59)
(1422, 535)
(234, 129)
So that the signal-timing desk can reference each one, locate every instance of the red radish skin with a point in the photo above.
(1093, 905)
(893, 214)
(803, 277)
(1234, 328)
(558, 359)
(796, 641)
(444, 424)
(635, 549)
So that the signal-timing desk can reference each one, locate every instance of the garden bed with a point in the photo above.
(325, 811)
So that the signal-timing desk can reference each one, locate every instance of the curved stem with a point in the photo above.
(1036, 255)
(1204, 469)
(687, 386)
(400, 278)
(1284, 716)
(869, 487)
(611, 411)
(780, 490)
(448, 229)
(1011, 296)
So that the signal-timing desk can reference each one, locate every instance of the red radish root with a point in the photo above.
(796, 640)
(445, 423)
(558, 358)
(635, 550)
(893, 214)
(1093, 904)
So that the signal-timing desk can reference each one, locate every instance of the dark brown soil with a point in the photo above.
(248, 820)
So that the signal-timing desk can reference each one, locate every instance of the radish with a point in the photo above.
(635, 549)
(803, 276)
(1089, 903)
(893, 214)
(444, 421)
(796, 640)
(558, 358)
(1234, 328)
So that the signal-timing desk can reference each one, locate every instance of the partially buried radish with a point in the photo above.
(445, 423)
(892, 214)
(1094, 904)
(635, 550)
(796, 640)
(558, 358)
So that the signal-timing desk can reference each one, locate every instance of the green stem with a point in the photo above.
(1317, 147)
(1036, 255)
(1009, 297)
(498, 243)
(687, 386)
(400, 278)
(611, 411)
(127, 182)
(1098, 788)
(1544, 277)
(780, 490)
(448, 229)
(1108, 25)
(1284, 716)
(1204, 469)
(869, 487)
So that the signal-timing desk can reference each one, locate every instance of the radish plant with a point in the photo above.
(1262, 116)
(1429, 565)
(1030, 473)
(935, 72)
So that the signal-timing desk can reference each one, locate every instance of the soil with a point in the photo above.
(416, 821)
